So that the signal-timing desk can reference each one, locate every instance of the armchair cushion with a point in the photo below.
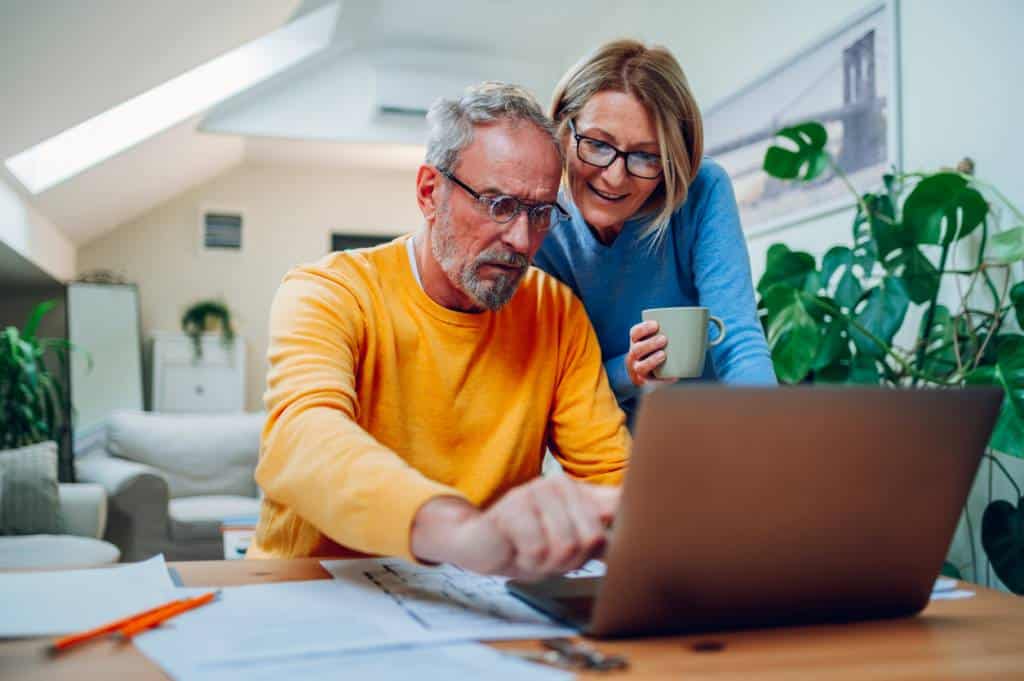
(30, 498)
(197, 518)
(198, 454)
(83, 509)
(55, 552)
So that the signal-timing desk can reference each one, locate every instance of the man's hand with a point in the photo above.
(548, 526)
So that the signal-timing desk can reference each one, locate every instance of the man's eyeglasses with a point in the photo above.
(504, 209)
(601, 154)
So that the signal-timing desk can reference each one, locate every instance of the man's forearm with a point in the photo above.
(435, 528)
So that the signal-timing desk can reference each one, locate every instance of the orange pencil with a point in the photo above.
(154, 619)
(72, 639)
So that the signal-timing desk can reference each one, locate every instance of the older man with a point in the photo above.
(414, 386)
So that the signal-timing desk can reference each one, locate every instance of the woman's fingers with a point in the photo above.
(642, 330)
(646, 352)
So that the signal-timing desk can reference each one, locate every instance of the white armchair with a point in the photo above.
(172, 479)
(83, 510)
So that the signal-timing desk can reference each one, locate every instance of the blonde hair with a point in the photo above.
(655, 78)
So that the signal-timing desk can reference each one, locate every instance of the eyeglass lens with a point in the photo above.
(638, 163)
(506, 208)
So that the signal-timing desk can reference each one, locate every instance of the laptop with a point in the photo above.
(753, 507)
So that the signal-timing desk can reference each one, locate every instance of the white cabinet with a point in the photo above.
(182, 382)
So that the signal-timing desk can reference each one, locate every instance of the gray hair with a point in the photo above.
(451, 121)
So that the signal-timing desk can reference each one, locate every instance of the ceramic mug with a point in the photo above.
(687, 331)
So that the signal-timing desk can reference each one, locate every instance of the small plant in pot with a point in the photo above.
(929, 240)
(207, 315)
(34, 404)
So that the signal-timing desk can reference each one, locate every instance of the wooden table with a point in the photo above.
(975, 638)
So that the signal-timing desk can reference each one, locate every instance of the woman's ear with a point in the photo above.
(427, 191)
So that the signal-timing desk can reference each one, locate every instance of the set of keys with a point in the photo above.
(567, 654)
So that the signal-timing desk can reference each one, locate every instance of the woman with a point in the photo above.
(651, 223)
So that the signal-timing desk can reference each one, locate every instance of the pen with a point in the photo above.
(72, 639)
(153, 619)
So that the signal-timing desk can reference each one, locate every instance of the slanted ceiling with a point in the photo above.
(64, 61)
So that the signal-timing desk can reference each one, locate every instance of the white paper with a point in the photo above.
(295, 628)
(442, 600)
(952, 595)
(451, 662)
(63, 602)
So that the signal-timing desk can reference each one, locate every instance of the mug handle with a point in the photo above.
(721, 331)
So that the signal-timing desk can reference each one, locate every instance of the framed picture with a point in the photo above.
(849, 82)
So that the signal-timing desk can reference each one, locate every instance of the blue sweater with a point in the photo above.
(702, 260)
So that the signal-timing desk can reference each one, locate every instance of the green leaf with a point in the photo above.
(950, 570)
(40, 310)
(1008, 434)
(792, 335)
(886, 232)
(940, 354)
(942, 208)
(806, 162)
(865, 250)
(1002, 536)
(919, 276)
(834, 344)
(1008, 373)
(882, 315)
(1006, 248)
(848, 289)
(783, 266)
(864, 371)
(1017, 298)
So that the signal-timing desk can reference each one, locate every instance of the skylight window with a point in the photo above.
(60, 157)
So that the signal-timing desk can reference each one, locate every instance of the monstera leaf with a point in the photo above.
(847, 288)
(940, 354)
(1002, 536)
(1006, 247)
(1008, 373)
(882, 315)
(919, 276)
(1017, 298)
(942, 208)
(793, 335)
(806, 162)
(794, 269)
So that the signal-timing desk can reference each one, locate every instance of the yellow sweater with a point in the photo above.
(380, 399)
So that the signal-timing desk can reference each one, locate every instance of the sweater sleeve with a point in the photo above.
(725, 286)
(588, 432)
(315, 458)
(618, 377)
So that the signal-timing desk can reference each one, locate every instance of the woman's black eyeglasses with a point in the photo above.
(504, 209)
(601, 154)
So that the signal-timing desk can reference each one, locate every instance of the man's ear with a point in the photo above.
(428, 188)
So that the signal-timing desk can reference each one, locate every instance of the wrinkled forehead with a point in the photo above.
(515, 158)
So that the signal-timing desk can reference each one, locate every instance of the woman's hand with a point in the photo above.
(646, 353)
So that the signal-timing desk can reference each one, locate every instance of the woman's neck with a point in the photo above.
(606, 235)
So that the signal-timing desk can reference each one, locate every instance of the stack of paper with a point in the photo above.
(376, 614)
(63, 602)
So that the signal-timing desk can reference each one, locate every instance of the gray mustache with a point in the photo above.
(511, 259)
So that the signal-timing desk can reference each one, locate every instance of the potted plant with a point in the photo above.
(928, 240)
(34, 405)
(207, 315)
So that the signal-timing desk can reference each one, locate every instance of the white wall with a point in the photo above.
(289, 214)
(29, 233)
(960, 97)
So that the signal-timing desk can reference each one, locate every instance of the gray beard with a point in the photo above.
(490, 294)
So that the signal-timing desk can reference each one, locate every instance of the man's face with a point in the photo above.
(484, 260)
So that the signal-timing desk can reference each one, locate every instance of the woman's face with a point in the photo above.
(607, 197)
